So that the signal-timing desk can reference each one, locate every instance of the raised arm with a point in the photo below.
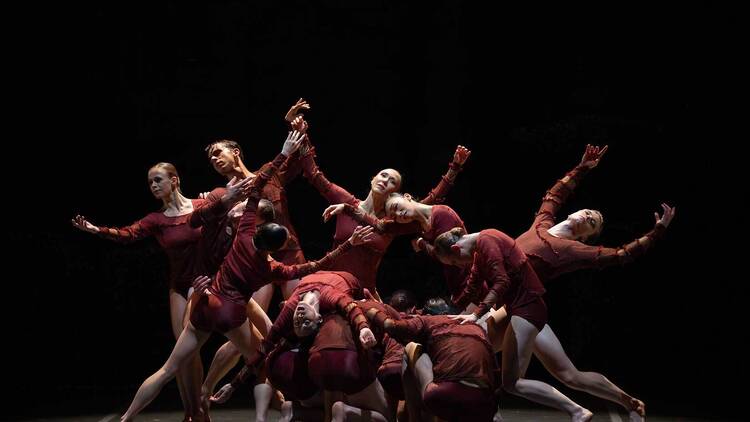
(332, 192)
(561, 190)
(437, 195)
(253, 189)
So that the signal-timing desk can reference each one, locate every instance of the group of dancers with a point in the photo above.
(337, 351)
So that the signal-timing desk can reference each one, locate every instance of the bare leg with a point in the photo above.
(309, 409)
(248, 345)
(262, 393)
(343, 412)
(187, 344)
(224, 360)
(258, 317)
(497, 324)
(371, 400)
(517, 349)
(190, 375)
(411, 391)
(329, 398)
(550, 352)
(263, 296)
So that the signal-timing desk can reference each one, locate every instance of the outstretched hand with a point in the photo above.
(81, 223)
(666, 218)
(593, 155)
(294, 111)
(461, 155)
(201, 283)
(292, 142)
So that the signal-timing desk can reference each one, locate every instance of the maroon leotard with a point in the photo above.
(510, 277)
(552, 256)
(361, 261)
(174, 235)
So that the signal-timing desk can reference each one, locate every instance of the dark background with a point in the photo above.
(109, 89)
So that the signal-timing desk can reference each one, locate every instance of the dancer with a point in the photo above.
(363, 262)
(494, 257)
(178, 240)
(247, 267)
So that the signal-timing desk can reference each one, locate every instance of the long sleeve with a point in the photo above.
(142, 228)
(406, 330)
(498, 282)
(558, 194)
(291, 168)
(280, 271)
(283, 323)
(211, 210)
(332, 192)
(247, 221)
(386, 226)
(627, 253)
(438, 193)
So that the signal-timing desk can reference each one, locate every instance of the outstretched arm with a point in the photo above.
(638, 247)
(138, 230)
(437, 195)
(560, 191)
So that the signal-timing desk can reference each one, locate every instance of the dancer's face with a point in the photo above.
(306, 320)
(386, 182)
(223, 159)
(160, 183)
(401, 209)
(585, 223)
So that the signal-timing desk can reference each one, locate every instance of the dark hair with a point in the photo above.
(226, 143)
(436, 306)
(402, 300)
(444, 242)
(270, 237)
(265, 211)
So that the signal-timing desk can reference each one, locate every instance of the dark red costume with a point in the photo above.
(174, 235)
(511, 279)
(245, 270)
(552, 256)
(362, 261)
(459, 352)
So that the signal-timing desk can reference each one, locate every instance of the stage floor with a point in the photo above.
(245, 415)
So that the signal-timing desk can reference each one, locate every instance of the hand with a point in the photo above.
(415, 244)
(81, 223)
(237, 190)
(366, 293)
(592, 155)
(465, 318)
(299, 124)
(333, 210)
(461, 155)
(223, 394)
(203, 195)
(367, 338)
(665, 219)
(293, 142)
(295, 109)
(201, 283)
(361, 235)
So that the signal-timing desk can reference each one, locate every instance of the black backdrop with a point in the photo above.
(115, 87)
